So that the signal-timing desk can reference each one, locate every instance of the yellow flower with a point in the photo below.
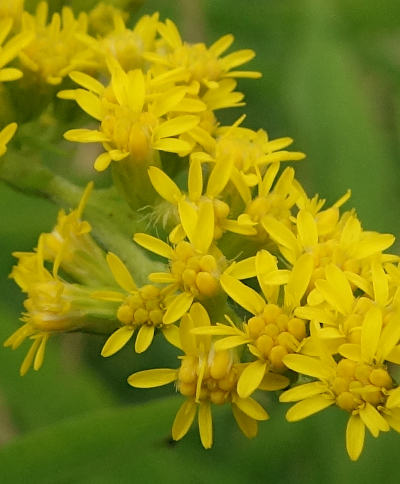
(134, 112)
(250, 151)
(194, 266)
(10, 49)
(13, 9)
(70, 246)
(5, 136)
(217, 181)
(204, 66)
(328, 239)
(53, 306)
(361, 385)
(342, 314)
(101, 18)
(273, 331)
(205, 377)
(55, 49)
(125, 44)
(140, 308)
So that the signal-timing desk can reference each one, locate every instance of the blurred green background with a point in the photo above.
(331, 72)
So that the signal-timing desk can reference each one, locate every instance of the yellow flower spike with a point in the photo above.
(5, 136)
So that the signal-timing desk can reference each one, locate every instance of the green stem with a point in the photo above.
(113, 222)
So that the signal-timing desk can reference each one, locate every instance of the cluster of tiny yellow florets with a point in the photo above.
(258, 285)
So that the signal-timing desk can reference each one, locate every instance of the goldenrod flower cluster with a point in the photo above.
(261, 287)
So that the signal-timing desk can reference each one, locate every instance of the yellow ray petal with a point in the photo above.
(172, 145)
(273, 381)
(308, 365)
(178, 307)
(355, 433)
(176, 126)
(204, 229)
(152, 378)
(117, 340)
(88, 82)
(370, 333)
(373, 420)
(242, 294)
(171, 334)
(300, 392)
(243, 269)
(164, 185)
(251, 408)
(308, 407)
(144, 338)
(184, 419)
(307, 229)
(154, 245)
(205, 424)
(86, 136)
(247, 425)
(120, 272)
(251, 378)
(102, 161)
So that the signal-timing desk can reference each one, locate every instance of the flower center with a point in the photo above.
(275, 334)
(358, 383)
(145, 306)
(197, 273)
(218, 377)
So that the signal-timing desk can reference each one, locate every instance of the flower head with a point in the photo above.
(205, 377)
(55, 49)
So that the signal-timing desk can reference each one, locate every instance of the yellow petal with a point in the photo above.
(219, 177)
(230, 342)
(117, 340)
(144, 338)
(85, 136)
(251, 378)
(205, 424)
(176, 126)
(373, 420)
(172, 145)
(355, 433)
(88, 82)
(273, 381)
(121, 273)
(251, 408)
(307, 229)
(38, 362)
(380, 284)
(154, 245)
(242, 294)
(188, 217)
(393, 400)
(299, 280)
(90, 103)
(308, 365)
(221, 45)
(152, 378)
(184, 419)
(178, 307)
(10, 74)
(243, 269)
(370, 333)
(308, 407)
(300, 392)
(108, 295)
(102, 161)
(171, 334)
(350, 351)
(28, 360)
(390, 336)
(163, 184)
(204, 229)
(246, 424)
(195, 179)
(282, 235)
